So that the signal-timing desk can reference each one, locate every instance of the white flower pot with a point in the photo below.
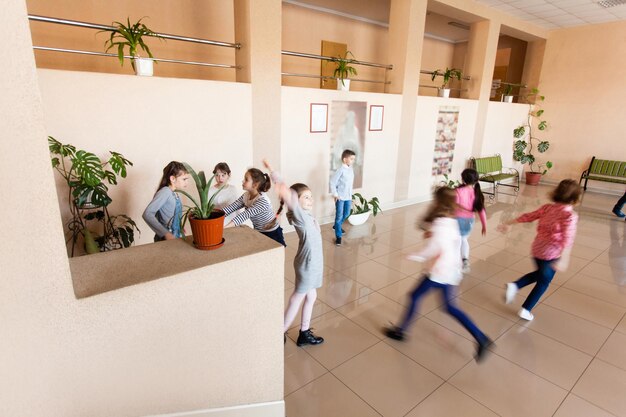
(507, 99)
(144, 67)
(345, 86)
(444, 92)
(358, 219)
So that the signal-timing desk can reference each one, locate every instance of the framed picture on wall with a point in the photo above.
(376, 117)
(319, 118)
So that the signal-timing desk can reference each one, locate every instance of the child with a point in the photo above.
(309, 260)
(257, 206)
(341, 189)
(617, 209)
(164, 212)
(552, 245)
(228, 195)
(444, 243)
(469, 199)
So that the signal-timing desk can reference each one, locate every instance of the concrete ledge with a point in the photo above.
(108, 271)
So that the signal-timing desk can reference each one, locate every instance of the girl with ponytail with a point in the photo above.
(257, 206)
(470, 200)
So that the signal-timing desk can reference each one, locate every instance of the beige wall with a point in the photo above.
(581, 79)
(436, 54)
(211, 20)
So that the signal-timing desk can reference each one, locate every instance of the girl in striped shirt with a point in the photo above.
(257, 206)
(552, 245)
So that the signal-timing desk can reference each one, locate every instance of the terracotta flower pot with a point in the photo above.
(532, 178)
(208, 234)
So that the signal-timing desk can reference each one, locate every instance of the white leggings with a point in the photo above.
(307, 310)
(464, 247)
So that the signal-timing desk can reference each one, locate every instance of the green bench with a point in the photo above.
(604, 170)
(490, 170)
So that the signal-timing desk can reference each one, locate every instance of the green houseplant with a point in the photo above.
(448, 75)
(130, 35)
(361, 209)
(527, 142)
(85, 175)
(207, 224)
(343, 70)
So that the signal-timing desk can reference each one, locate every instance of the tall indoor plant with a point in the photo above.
(448, 75)
(207, 223)
(88, 198)
(527, 141)
(131, 35)
(343, 70)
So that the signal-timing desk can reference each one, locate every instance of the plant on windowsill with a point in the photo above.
(527, 142)
(507, 91)
(343, 70)
(207, 223)
(88, 198)
(448, 75)
(361, 209)
(131, 36)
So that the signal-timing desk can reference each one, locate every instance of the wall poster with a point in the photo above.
(347, 131)
(447, 122)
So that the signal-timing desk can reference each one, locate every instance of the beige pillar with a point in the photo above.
(406, 37)
(258, 30)
(481, 58)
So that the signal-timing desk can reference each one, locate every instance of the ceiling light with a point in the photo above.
(464, 26)
(610, 3)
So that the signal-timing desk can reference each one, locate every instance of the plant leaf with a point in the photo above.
(88, 167)
(543, 146)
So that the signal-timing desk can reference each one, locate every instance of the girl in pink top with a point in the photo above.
(552, 245)
(469, 199)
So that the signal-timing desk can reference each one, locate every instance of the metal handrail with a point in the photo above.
(330, 58)
(112, 28)
(173, 61)
(467, 77)
(434, 86)
(325, 77)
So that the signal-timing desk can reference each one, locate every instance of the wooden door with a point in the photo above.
(499, 73)
(327, 68)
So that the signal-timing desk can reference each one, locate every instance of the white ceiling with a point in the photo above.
(553, 14)
(550, 14)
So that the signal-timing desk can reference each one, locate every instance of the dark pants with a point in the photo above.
(342, 211)
(276, 235)
(620, 203)
(542, 276)
(422, 288)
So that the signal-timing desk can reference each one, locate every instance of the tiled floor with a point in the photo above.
(570, 361)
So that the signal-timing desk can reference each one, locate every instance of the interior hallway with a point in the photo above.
(570, 361)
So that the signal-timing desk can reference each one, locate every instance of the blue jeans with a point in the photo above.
(542, 276)
(422, 288)
(342, 211)
(465, 225)
(620, 203)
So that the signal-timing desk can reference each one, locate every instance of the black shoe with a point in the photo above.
(618, 213)
(342, 231)
(394, 333)
(483, 349)
(338, 241)
(308, 338)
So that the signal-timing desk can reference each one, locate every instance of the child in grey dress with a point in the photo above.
(309, 260)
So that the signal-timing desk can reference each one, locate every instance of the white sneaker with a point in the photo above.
(525, 314)
(511, 291)
(466, 266)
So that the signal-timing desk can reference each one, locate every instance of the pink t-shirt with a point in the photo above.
(556, 229)
(465, 196)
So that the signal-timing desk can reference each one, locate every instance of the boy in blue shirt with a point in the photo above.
(341, 189)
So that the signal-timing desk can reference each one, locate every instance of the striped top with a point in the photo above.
(556, 229)
(258, 210)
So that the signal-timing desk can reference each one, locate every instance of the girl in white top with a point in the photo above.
(229, 192)
(444, 244)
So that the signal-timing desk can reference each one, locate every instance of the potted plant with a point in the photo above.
(131, 36)
(207, 223)
(447, 75)
(84, 174)
(343, 70)
(507, 93)
(361, 209)
(527, 142)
